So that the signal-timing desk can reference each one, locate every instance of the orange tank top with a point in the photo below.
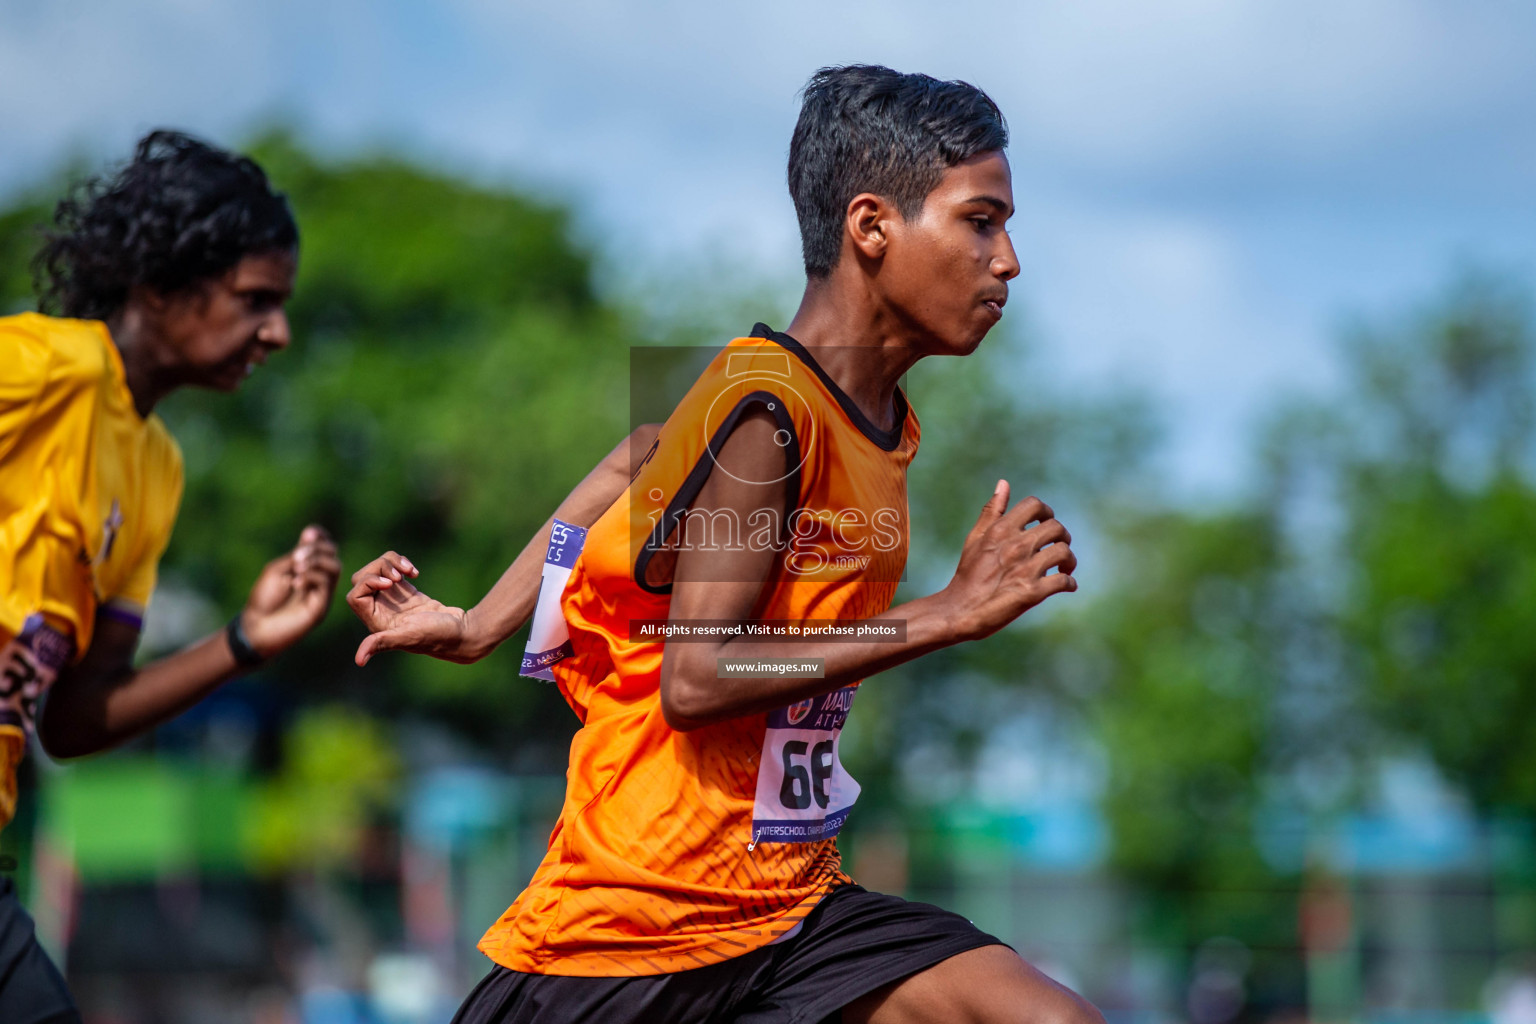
(678, 850)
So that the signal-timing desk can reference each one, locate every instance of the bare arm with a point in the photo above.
(401, 617)
(103, 701)
(1002, 573)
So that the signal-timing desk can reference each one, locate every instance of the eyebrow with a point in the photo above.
(994, 202)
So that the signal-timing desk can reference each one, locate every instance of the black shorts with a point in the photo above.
(854, 942)
(31, 989)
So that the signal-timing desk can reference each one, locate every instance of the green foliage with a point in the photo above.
(20, 236)
(339, 768)
(1185, 714)
(1433, 464)
(986, 418)
(1370, 598)
(1445, 587)
(398, 254)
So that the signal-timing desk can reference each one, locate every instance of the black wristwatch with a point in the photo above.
(246, 656)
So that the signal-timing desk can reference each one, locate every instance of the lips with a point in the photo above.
(246, 364)
(995, 306)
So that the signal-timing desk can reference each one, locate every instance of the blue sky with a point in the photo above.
(1205, 188)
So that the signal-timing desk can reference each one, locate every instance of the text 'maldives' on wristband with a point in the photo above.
(246, 656)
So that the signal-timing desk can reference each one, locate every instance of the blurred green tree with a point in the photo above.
(339, 767)
(1430, 464)
(1184, 711)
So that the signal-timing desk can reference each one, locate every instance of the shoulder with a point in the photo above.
(751, 375)
(52, 353)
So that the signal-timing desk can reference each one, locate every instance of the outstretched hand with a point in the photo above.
(1005, 566)
(292, 593)
(401, 618)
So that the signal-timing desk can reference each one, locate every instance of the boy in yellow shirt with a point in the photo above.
(171, 272)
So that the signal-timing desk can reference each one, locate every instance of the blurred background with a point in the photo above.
(1272, 357)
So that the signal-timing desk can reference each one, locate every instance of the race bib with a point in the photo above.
(28, 666)
(803, 792)
(549, 640)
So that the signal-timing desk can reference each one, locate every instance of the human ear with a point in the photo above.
(150, 300)
(866, 222)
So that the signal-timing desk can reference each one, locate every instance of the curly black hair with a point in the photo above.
(180, 212)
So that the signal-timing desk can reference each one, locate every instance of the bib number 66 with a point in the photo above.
(804, 782)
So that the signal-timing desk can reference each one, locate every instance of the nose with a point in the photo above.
(274, 332)
(1005, 264)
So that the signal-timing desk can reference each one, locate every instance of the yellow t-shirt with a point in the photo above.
(88, 495)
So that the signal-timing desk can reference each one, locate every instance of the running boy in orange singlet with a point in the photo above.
(694, 875)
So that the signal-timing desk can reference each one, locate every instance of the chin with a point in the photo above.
(959, 340)
(966, 344)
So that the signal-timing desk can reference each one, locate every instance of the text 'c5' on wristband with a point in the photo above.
(246, 656)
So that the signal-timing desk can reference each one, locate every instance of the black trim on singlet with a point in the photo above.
(887, 440)
(694, 482)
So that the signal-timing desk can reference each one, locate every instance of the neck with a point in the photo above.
(857, 341)
(148, 381)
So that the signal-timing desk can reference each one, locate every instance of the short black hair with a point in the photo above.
(866, 128)
(180, 212)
